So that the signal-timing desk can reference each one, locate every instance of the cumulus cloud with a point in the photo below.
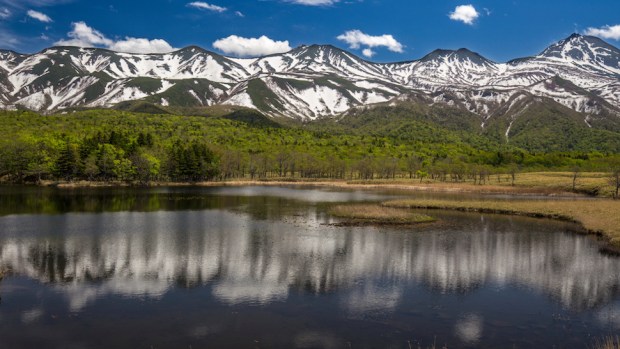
(250, 47)
(205, 6)
(141, 45)
(39, 16)
(465, 13)
(368, 52)
(314, 2)
(606, 32)
(83, 35)
(357, 39)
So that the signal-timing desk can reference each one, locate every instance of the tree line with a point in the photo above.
(118, 146)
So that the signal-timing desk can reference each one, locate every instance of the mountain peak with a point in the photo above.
(461, 55)
(584, 49)
(316, 48)
(576, 42)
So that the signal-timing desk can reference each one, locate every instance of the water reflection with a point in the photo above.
(469, 328)
(242, 259)
(28, 200)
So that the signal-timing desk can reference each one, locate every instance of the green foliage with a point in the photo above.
(192, 162)
(117, 145)
(68, 162)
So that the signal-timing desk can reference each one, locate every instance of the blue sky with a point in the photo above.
(388, 30)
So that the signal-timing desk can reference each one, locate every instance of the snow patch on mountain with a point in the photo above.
(243, 99)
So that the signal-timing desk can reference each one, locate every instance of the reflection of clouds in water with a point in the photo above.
(81, 294)
(144, 254)
(203, 330)
(32, 315)
(469, 328)
(372, 298)
(239, 291)
(306, 195)
(311, 339)
(610, 316)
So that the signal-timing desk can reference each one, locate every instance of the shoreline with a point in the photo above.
(434, 187)
(599, 217)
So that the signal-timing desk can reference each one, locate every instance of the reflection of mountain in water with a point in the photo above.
(91, 255)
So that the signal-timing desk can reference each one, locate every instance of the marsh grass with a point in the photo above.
(546, 183)
(593, 183)
(608, 343)
(531, 183)
(377, 214)
(599, 216)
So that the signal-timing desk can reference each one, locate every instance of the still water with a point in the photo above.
(262, 267)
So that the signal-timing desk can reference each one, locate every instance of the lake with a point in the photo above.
(265, 267)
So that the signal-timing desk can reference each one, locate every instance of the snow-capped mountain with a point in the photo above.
(580, 72)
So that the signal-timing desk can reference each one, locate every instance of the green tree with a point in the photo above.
(146, 166)
(68, 162)
(108, 161)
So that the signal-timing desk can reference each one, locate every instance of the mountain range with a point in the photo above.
(580, 75)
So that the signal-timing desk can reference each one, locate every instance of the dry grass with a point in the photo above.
(601, 216)
(608, 343)
(378, 214)
(534, 183)
(525, 183)
(587, 182)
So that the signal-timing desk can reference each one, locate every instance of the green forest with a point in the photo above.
(113, 145)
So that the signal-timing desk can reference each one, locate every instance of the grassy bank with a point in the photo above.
(376, 214)
(398, 184)
(531, 183)
(597, 216)
(593, 183)
(549, 183)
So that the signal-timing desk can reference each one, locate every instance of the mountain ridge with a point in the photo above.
(312, 81)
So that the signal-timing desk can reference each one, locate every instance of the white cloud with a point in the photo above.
(314, 2)
(606, 32)
(39, 16)
(5, 13)
(205, 6)
(356, 39)
(239, 14)
(251, 47)
(141, 45)
(465, 13)
(84, 36)
(368, 52)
